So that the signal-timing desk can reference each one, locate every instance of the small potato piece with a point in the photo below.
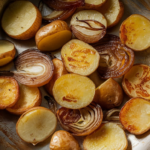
(88, 25)
(108, 137)
(59, 70)
(9, 92)
(79, 57)
(29, 97)
(53, 36)
(113, 11)
(109, 94)
(135, 32)
(73, 91)
(63, 140)
(36, 125)
(21, 20)
(7, 52)
(136, 82)
(135, 116)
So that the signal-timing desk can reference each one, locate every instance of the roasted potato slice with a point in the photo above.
(88, 25)
(135, 32)
(113, 12)
(79, 57)
(7, 52)
(21, 20)
(73, 91)
(135, 117)
(9, 92)
(109, 94)
(36, 125)
(29, 97)
(63, 140)
(59, 70)
(109, 137)
(136, 82)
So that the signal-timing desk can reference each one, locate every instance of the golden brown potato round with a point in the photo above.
(21, 20)
(29, 97)
(113, 11)
(109, 137)
(135, 32)
(9, 92)
(136, 82)
(109, 94)
(79, 57)
(59, 70)
(36, 125)
(73, 91)
(135, 116)
(53, 36)
(7, 52)
(63, 140)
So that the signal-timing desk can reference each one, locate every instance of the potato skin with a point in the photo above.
(63, 140)
(109, 94)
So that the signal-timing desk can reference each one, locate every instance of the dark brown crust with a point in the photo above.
(13, 81)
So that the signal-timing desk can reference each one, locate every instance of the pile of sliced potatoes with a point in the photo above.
(85, 48)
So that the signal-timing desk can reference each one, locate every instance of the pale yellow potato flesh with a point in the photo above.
(113, 11)
(136, 82)
(135, 116)
(29, 97)
(73, 91)
(36, 125)
(135, 32)
(94, 2)
(79, 57)
(18, 17)
(108, 137)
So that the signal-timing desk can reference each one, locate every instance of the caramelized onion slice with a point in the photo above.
(82, 121)
(63, 4)
(116, 58)
(34, 68)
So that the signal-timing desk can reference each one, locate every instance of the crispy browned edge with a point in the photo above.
(11, 53)
(37, 102)
(84, 146)
(13, 81)
(121, 12)
(121, 32)
(32, 30)
(51, 28)
(121, 111)
(34, 108)
(123, 81)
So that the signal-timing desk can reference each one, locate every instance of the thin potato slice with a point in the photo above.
(136, 82)
(21, 20)
(7, 52)
(108, 137)
(88, 25)
(135, 116)
(29, 97)
(79, 57)
(135, 32)
(113, 11)
(9, 92)
(59, 70)
(36, 125)
(73, 91)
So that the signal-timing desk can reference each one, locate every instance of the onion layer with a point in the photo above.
(34, 68)
(63, 4)
(116, 58)
(82, 121)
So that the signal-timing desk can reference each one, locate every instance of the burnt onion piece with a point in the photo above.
(63, 4)
(81, 122)
(116, 58)
(33, 68)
